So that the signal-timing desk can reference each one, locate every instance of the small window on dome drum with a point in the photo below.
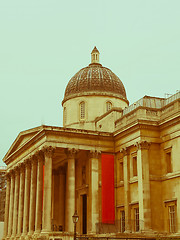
(82, 110)
(108, 106)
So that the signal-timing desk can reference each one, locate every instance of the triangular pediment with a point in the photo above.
(22, 139)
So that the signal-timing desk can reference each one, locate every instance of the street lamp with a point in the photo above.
(75, 219)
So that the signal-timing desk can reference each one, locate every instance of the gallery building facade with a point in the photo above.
(117, 165)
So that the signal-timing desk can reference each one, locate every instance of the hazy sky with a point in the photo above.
(43, 43)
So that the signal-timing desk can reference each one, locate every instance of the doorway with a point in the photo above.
(84, 214)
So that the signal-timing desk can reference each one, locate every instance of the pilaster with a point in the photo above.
(144, 186)
(125, 152)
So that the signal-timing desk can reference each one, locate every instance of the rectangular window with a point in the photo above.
(168, 162)
(134, 166)
(122, 221)
(172, 219)
(136, 218)
(121, 171)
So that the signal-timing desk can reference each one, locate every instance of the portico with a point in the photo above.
(46, 185)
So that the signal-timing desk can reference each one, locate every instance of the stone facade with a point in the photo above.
(53, 171)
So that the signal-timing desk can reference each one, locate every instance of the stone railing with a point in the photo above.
(151, 102)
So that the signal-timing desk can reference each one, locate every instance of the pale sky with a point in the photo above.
(43, 43)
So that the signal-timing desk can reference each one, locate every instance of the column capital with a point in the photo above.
(22, 167)
(11, 172)
(48, 151)
(39, 154)
(71, 152)
(124, 151)
(142, 145)
(27, 162)
(8, 176)
(17, 170)
(94, 153)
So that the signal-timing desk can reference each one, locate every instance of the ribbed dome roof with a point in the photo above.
(95, 80)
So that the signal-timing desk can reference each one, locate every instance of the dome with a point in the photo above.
(95, 80)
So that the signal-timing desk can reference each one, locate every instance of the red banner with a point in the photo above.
(107, 173)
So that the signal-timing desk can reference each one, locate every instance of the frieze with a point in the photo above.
(151, 112)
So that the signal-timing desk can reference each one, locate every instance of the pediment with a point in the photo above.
(22, 139)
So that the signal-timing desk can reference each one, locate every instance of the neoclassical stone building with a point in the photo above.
(117, 165)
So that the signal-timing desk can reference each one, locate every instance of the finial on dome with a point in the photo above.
(95, 55)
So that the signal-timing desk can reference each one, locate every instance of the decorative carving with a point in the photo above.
(27, 162)
(71, 152)
(143, 145)
(124, 151)
(94, 153)
(17, 170)
(22, 167)
(48, 150)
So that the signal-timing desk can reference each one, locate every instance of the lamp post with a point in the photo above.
(75, 219)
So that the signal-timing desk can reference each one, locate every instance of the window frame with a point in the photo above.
(82, 111)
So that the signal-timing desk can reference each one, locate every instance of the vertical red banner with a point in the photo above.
(107, 179)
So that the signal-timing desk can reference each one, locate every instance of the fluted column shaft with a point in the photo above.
(70, 191)
(93, 190)
(39, 195)
(11, 204)
(16, 199)
(47, 211)
(21, 200)
(32, 196)
(26, 198)
(7, 206)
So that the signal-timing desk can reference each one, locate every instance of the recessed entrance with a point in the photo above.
(84, 214)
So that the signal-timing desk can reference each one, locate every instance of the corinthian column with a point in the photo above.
(39, 193)
(21, 199)
(70, 190)
(10, 220)
(126, 189)
(143, 186)
(26, 197)
(7, 205)
(47, 211)
(33, 195)
(16, 199)
(93, 189)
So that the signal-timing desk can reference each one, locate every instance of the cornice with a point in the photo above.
(70, 133)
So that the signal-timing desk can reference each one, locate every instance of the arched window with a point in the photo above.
(82, 110)
(65, 115)
(108, 106)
